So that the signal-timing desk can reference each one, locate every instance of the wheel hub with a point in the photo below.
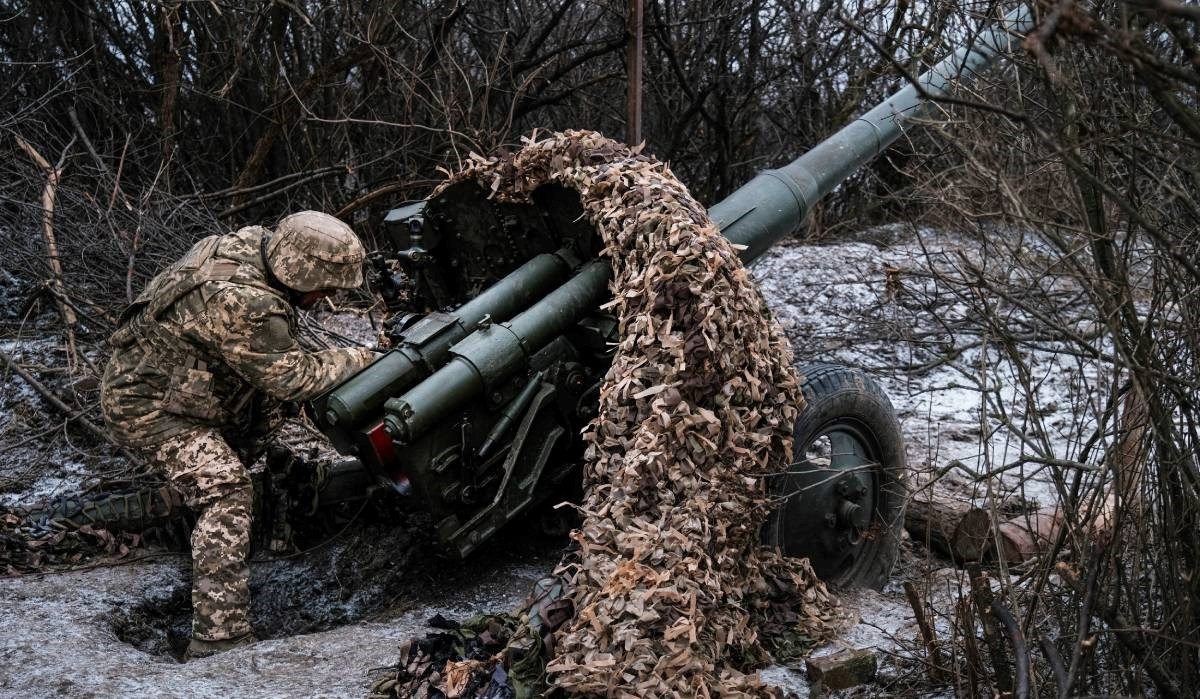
(831, 503)
(846, 519)
(840, 501)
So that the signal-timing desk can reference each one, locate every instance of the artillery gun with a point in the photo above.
(499, 348)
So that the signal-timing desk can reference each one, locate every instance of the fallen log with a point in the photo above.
(965, 533)
(1022, 538)
(951, 527)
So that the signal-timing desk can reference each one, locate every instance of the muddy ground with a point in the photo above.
(333, 614)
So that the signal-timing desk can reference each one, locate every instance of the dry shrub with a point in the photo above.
(1079, 181)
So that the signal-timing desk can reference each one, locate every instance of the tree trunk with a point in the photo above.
(170, 40)
(289, 106)
(965, 533)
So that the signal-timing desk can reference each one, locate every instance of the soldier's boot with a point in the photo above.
(200, 648)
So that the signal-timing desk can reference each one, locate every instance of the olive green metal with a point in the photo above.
(360, 398)
(774, 205)
(516, 291)
(511, 413)
(769, 208)
(356, 399)
(493, 353)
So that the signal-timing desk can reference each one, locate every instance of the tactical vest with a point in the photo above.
(196, 267)
(190, 389)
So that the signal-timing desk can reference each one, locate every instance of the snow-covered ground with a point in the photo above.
(59, 641)
(872, 304)
(880, 306)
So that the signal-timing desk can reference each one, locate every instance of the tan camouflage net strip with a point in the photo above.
(32, 546)
(671, 587)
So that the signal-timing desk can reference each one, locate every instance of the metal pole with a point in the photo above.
(633, 62)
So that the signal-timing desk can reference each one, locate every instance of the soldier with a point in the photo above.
(202, 362)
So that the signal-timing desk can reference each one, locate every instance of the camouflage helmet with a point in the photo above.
(311, 250)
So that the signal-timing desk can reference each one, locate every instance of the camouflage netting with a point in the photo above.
(672, 591)
(28, 546)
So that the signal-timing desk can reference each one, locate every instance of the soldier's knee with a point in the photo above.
(233, 489)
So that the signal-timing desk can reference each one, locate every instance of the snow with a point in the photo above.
(878, 306)
(57, 642)
(63, 481)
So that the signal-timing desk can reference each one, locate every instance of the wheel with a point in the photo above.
(842, 497)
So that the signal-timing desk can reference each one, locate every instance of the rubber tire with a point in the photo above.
(841, 395)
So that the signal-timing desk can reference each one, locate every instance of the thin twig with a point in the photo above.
(1020, 651)
(272, 194)
(1056, 664)
(1083, 624)
(981, 593)
(1164, 680)
(73, 414)
(927, 633)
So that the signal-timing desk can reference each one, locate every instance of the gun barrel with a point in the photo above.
(769, 208)
(495, 352)
(774, 205)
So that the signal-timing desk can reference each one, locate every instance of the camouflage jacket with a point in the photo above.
(210, 342)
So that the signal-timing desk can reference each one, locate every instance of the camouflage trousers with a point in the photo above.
(216, 485)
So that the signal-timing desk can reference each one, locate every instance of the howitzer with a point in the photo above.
(500, 348)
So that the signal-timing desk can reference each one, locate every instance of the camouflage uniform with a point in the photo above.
(202, 363)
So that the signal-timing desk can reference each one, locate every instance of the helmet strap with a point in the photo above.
(273, 280)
